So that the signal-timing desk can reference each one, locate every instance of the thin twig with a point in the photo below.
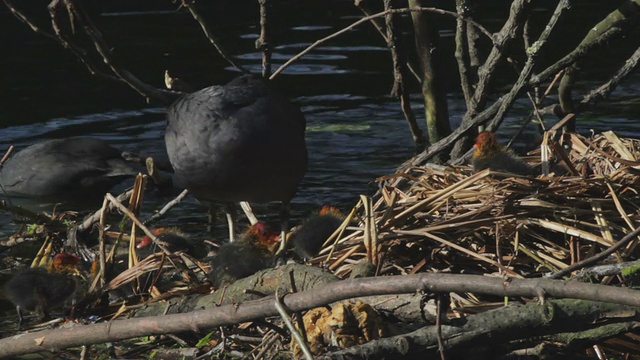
(594, 259)
(6, 155)
(88, 222)
(157, 216)
(378, 25)
(103, 49)
(102, 252)
(210, 36)
(287, 320)
(138, 223)
(263, 43)
(368, 18)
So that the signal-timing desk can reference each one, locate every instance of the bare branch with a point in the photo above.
(399, 74)
(498, 327)
(322, 295)
(369, 18)
(76, 50)
(604, 90)
(533, 53)
(486, 73)
(462, 50)
(263, 43)
(210, 36)
(148, 91)
(379, 26)
(601, 255)
(578, 53)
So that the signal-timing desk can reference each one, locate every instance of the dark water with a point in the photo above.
(355, 131)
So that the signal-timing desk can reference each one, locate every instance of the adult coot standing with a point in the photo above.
(243, 141)
(64, 169)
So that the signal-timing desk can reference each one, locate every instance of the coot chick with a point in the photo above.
(172, 239)
(490, 154)
(64, 263)
(309, 238)
(251, 252)
(39, 290)
(64, 169)
(243, 141)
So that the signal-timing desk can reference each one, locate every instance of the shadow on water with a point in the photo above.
(355, 131)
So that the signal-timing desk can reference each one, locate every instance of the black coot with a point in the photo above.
(243, 141)
(63, 169)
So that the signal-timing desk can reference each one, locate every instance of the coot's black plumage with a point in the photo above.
(243, 141)
(64, 168)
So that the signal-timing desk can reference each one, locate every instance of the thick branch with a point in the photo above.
(434, 149)
(604, 90)
(396, 47)
(507, 35)
(319, 296)
(263, 43)
(462, 50)
(494, 328)
(430, 55)
(620, 21)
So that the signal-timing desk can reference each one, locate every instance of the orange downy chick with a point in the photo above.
(489, 154)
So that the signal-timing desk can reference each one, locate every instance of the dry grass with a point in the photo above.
(456, 220)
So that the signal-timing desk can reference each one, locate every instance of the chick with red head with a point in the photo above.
(489, 154)
(172, 239)
(251, 252)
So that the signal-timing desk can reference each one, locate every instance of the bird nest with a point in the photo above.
(452, 219)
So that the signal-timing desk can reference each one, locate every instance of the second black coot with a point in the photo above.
(62, 169)
(243, 141)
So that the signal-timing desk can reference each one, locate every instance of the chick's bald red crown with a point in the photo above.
(486, 144)
(329, 210)
(146, 240)
(485, 137)
(65, 259)
(64, 263)
(263, 233)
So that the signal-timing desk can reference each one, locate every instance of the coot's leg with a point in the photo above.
(246, 207)
(20, 317)
(284, 219)
(232, 217)
(211, 217)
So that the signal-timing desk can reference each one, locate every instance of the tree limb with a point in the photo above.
(211, 315)
(493, 328)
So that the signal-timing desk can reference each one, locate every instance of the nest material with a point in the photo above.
(344, 325)
(457, 220)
